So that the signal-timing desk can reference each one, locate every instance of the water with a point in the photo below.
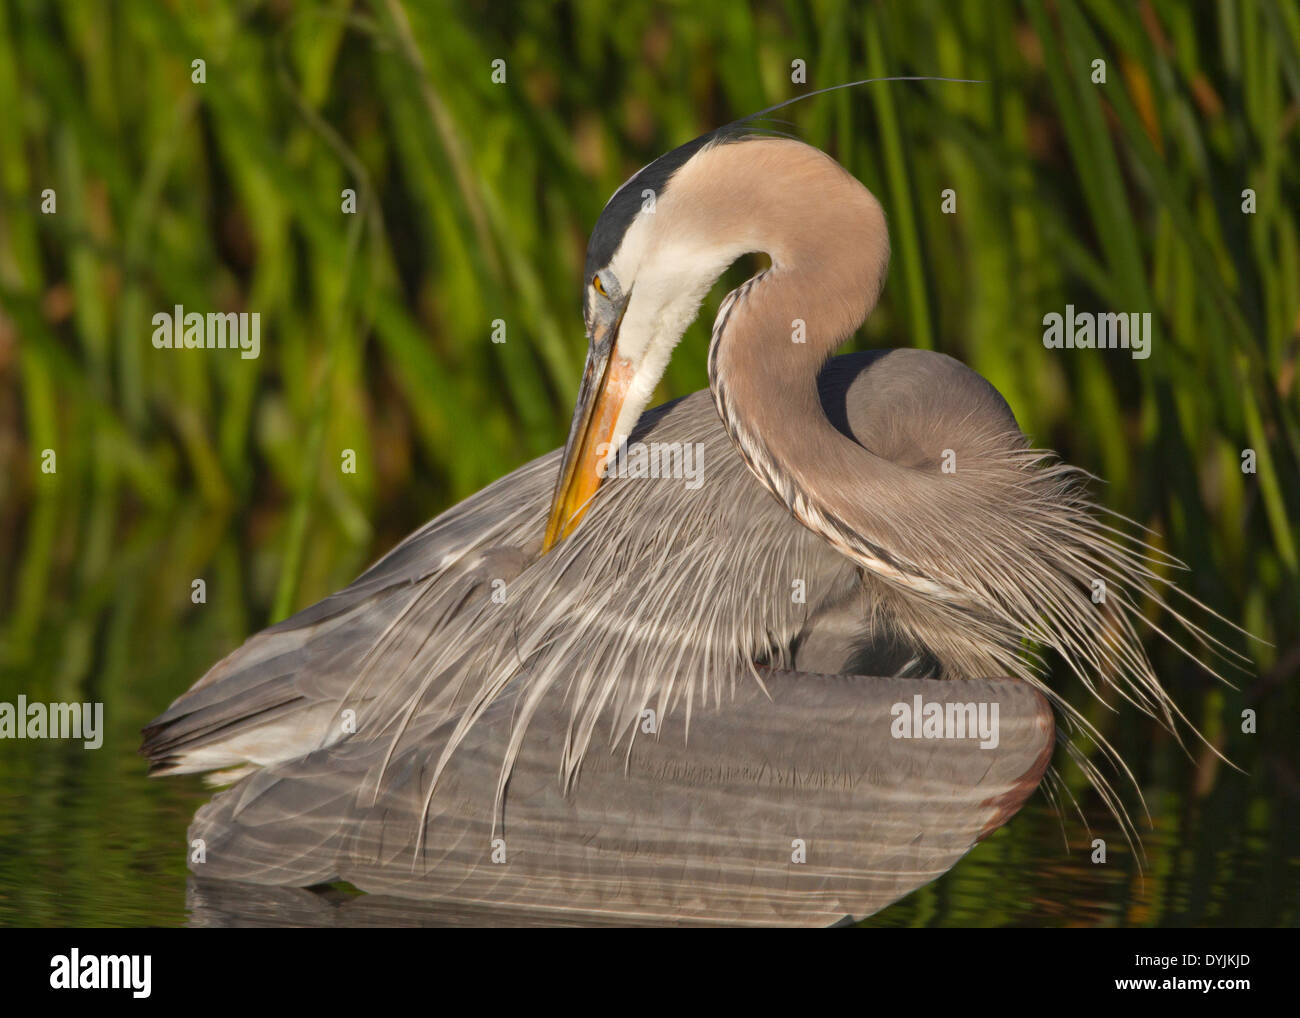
(87, 840)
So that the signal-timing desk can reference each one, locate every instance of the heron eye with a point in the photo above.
(600, 287)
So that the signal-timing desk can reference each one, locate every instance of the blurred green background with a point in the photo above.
(474, 202)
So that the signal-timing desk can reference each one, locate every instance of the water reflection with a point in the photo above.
(87, 840)
(1023, 876)
(219, 903)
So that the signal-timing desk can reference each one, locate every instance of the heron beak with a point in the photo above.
(605, 382)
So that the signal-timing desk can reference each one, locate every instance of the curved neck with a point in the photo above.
(765, 387)
(828, 242)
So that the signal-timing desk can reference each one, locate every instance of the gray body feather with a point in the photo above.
(696, 684)
(689, 615)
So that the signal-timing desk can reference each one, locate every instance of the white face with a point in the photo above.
(637, 308)
(664, 273)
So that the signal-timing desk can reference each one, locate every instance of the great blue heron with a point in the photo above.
(863, 528)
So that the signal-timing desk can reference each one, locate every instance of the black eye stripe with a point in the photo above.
(625, 205)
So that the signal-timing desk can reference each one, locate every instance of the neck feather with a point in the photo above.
(829, 245)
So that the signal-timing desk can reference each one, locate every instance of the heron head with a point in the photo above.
(652, 257)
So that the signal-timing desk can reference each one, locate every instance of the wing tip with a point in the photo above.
(1008, 803)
